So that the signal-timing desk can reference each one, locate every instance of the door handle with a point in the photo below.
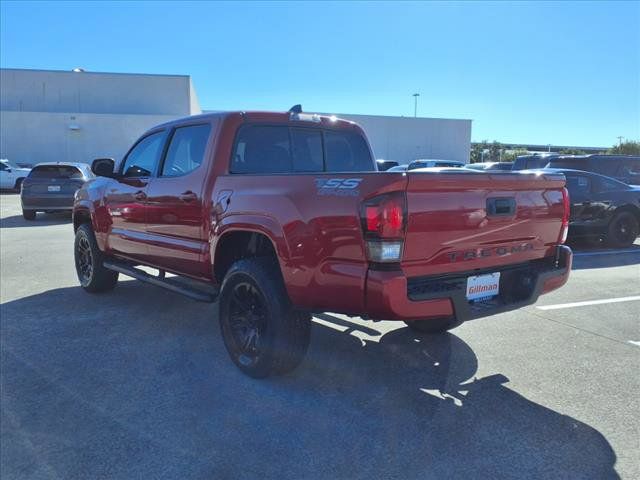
(140, 195)
(188, 196)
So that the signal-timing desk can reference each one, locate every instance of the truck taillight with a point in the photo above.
(566, 204)
(384, 221)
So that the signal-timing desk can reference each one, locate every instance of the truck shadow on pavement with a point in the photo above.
(42, 220)
(137, 384)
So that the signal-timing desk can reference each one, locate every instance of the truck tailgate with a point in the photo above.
(465, 220)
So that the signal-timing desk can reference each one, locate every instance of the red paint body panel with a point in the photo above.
(318, 237)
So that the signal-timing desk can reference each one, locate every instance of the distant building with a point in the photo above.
(77, 116)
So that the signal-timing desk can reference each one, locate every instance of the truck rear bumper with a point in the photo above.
(392, 296)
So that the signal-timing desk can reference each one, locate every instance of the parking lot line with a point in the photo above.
(589, 302)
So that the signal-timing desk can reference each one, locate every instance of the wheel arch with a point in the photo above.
(237, 242)
(627, 208)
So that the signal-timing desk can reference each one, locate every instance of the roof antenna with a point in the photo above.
(296, 109)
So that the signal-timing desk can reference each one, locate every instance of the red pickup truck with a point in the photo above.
(279, 215)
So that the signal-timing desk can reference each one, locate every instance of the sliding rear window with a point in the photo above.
(55, 171)
(281, 149)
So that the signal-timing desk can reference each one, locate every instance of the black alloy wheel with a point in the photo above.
(248, 323)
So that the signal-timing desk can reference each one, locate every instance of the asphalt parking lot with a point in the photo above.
(136, 383)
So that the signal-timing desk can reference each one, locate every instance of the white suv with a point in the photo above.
(11, 176)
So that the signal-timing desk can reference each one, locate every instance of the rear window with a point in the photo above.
(346, 152)
(281, 149)
(578, 183)
(55, 171)
(262, 149)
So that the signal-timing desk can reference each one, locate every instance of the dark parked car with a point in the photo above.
(384, 165)
(51, 187)
(602, 208)
(625, 168)
(429, 163)
(505, 166)
(536, 160)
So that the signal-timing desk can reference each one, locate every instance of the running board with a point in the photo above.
(204, 292)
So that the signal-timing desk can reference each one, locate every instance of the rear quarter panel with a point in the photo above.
(315, 229)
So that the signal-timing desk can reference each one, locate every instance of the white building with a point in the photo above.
(78, 116)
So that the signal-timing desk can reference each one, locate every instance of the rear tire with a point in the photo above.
(261, 330)
(432, 326)
(623, 230)
(93, 276)
(28, 214)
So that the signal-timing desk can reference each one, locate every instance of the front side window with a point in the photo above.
(346, 152)
(262, 149)
(186, 150)
(142, 160)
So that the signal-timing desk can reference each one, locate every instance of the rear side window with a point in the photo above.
(307, 150)
(262, 149)
(55, 171)
(346, 152)
(186, 150)
(578, 184)
(280, 149)
(142, 160)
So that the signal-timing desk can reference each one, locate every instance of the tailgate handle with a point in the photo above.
(501, 207)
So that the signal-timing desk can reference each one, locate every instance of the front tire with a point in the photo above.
(262, 332)
(432, 326)
(92, 274)
(29, 214)
(623, 230)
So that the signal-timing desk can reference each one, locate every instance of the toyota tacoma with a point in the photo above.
(276, 216)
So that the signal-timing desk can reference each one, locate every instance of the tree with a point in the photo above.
(494, 151)
(511, 155)
(626, 148)
(572, 151)
(476, 151)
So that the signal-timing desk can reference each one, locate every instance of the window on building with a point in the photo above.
(186, 150)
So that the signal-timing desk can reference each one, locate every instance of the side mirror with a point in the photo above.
(103, 167)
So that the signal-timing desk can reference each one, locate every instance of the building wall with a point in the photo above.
(34, 137)
(89, 92)
(404, 139)
(78, 116)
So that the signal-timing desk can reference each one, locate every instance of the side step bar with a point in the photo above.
(203, 292)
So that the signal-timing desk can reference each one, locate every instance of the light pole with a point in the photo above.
(415, 104)
(620, 140)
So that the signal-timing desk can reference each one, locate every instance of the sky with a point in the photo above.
(562, 73)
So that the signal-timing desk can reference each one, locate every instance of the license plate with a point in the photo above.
(53, 188)
(483, 286)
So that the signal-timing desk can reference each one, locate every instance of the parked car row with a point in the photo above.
(605, 204)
